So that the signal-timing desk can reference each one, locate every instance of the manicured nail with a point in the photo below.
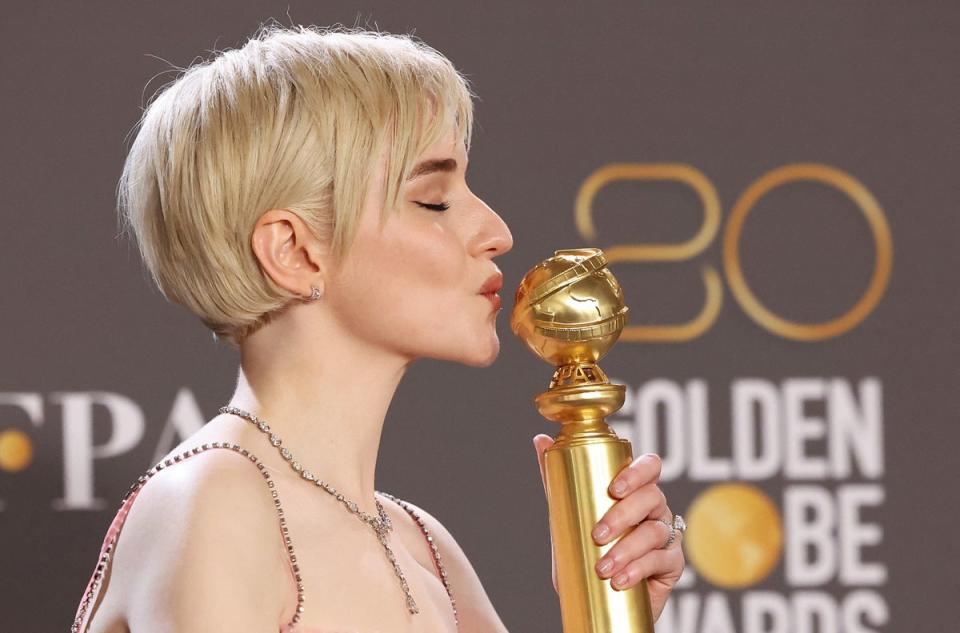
(600, 531)
(605, 566)
(621, 580)
(619, 487)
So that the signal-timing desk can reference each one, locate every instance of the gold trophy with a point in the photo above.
(569, 310)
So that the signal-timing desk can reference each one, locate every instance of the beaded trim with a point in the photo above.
(97, 579)
(107, 553)
(93, 587)
(433, 549)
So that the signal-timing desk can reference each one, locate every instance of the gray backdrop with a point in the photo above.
(857, 451)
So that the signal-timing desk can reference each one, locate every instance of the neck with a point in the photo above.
(326, 397)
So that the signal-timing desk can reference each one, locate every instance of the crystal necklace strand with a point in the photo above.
(381, 524)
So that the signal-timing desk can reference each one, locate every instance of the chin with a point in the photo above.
(466, 348)
(484, 357)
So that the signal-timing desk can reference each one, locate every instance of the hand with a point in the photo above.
(639, 554)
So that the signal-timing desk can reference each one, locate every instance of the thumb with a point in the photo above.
(541, 443)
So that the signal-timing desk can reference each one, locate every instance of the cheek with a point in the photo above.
(411, 281)
(431, 260)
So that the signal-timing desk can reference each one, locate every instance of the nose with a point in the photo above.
(493, 236)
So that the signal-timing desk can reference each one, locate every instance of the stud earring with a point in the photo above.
(314, 293)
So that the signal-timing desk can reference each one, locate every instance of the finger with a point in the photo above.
(667, 563)
(541, 443)
(643, 470)
(646, 537)
(646, 502)
(667, 516)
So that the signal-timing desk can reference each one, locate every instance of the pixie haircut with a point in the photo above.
(294, 119)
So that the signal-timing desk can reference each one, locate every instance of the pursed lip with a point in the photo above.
(493, 284)
(490, 287)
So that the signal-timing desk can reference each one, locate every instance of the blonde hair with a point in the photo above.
(293, 119)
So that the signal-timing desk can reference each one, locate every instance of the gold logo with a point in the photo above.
(713, 287)
(735, 535)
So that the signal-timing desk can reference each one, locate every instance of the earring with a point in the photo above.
(314, 293)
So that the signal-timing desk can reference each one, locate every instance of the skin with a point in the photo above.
(323, 373)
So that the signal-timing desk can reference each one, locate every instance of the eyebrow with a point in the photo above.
(432, 165)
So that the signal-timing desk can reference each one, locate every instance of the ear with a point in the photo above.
(288, 251)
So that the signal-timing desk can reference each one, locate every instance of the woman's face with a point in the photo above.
(414, 285)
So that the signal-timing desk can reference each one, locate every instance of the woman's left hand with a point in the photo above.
(641, 553)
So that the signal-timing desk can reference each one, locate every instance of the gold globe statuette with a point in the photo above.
(569, 310)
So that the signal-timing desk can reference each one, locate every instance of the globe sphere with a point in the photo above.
(569, 308)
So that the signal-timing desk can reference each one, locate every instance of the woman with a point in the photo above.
(305, 197)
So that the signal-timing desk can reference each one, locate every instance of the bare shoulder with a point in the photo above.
(476, 612)
(203, 549)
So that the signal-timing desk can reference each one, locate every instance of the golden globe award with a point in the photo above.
(569, 310)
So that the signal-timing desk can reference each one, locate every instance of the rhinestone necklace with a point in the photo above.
(381, 524)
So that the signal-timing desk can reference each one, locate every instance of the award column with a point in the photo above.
(569, 310)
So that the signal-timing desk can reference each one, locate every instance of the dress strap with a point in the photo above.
(437, 560)
(106, 550)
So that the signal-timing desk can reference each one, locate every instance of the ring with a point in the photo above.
(677, 525)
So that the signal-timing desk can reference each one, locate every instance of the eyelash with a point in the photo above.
(443, 206)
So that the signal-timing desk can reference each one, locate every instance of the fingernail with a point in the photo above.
(600, 531)
(605, 566)
(619, 487)
(621, 580)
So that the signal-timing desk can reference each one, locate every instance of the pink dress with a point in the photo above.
(84, 613)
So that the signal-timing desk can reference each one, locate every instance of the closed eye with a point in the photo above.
(443, 206)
